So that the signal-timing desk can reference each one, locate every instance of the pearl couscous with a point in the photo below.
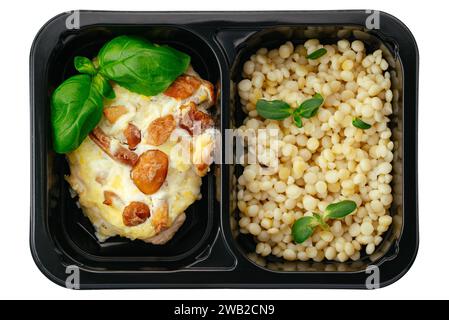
(325, 161)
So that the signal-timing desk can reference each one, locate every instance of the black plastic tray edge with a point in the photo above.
(34, 254)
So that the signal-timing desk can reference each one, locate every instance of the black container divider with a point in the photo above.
(208, 250)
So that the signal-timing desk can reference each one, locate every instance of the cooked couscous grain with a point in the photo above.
(325, 161)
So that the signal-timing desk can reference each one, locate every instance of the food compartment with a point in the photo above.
(272, 37)
(70, 230)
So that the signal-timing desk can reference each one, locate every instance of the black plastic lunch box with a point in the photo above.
(208, 251)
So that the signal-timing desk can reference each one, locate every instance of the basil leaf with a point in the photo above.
(317, 54)
(275, 110)
(320, 221)
(309, 108)
(140, 66)
(340, 209)
(84, 65)
(103, 86)
(297, 118)
(356, 122)
(76, 108)
(303, 228)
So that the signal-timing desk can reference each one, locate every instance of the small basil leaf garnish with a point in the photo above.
(309, 108)
(340, 209)
(275, 110)
(103, 86)
(317, 54)
(279, 110)
(358, 123)
(320, 221)
(140, 66)
(76, 108)
(303, 228)
(84, 65)
(297, 118)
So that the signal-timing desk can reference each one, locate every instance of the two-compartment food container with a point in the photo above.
(208, 251)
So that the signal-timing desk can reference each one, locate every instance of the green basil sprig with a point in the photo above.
(317, 54)
(84, 65)
(275, 110)
(297, 119)
(140, 66)
(279, 110)
(77, 106)
(309, 108)
(103, 86)
(340, 209)
(358, 123)
(134, 63)
(304, 227)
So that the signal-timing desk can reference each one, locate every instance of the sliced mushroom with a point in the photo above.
(183, 87)
(203, 147)
(212, 97)
(132, 135)
(118, 153)
(150, 171)
(160, 130)
(166, 235)
(160, 217)
(113, 113)
(193, 120)
(109, 197)
(135, 213)
(101, 177)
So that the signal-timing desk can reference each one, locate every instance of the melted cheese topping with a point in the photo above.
(93, 171)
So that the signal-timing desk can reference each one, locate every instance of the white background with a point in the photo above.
(20, 21)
